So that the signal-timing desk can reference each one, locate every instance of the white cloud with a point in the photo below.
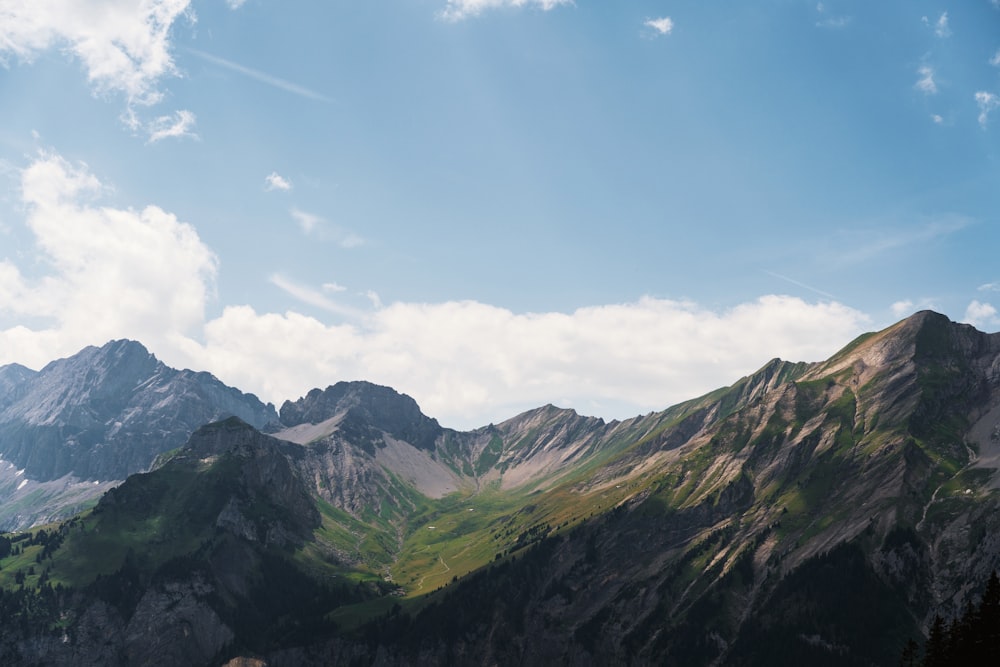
(263, 77)
(235, 4)
(833, 22)
(867, 244)
(901, 309)
(274, 181)
(333, 287)
(111, 272)
(307, 221)
(663, 26)
(315, 225)
(995, 60)
(989, 287)
(941, 28)
(456, 10)
(124, 45)
(987, 102)
(937, 118)
(312, 297)
(468, 363)
(926, 82)
(981, 315)
(169, 127)
(905, 308)
(143, 274)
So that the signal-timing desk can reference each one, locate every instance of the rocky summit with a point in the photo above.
(840, 512)
(99, 416)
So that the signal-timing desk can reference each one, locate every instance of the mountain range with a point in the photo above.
(823, 512)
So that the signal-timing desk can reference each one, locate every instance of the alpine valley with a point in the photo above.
(831, 513)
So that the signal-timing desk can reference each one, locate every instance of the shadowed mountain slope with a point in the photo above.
(810, 513)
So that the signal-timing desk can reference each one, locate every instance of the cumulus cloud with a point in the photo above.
(456, 10)
(987, 102)
(926, 83)
(468, 362)
(124, 45)
(143, 274)
(274, 181)
(663, 26)
(111, 272)
(981, 315)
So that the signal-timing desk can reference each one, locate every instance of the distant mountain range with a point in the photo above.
(817, 513)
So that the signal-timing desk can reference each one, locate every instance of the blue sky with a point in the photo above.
(493, 204)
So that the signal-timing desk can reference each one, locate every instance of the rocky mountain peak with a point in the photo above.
(364, 404)
(108, 411)
(12, 378)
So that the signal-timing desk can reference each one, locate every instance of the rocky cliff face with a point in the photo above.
(12, 378)
(365, 411)
(809, 513)
(823, 517)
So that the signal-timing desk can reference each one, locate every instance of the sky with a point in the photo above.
(491, 205)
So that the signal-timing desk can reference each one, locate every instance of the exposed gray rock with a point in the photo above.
(100, 416)
(107, 412)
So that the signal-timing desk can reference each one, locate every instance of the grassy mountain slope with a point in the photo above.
(821, 512)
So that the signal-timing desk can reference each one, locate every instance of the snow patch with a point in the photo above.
(21, 485)
(19, 472)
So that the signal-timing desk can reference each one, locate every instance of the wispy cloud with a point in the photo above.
(179, 125)
(940, 26)
(866, 245)
(314, 225)
(995, 60)
(987, 102)
(313, 297)
(275, 181)
(989, 287)
(662, 26)
(832, 22)
(937, 118)
(901, 309)
(263, 77)
(906, 307)
(926, 83)
(307, 221)
(235, 4)
(457, 10)
(800, 284)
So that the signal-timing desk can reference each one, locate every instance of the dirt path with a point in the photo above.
(446, 570)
